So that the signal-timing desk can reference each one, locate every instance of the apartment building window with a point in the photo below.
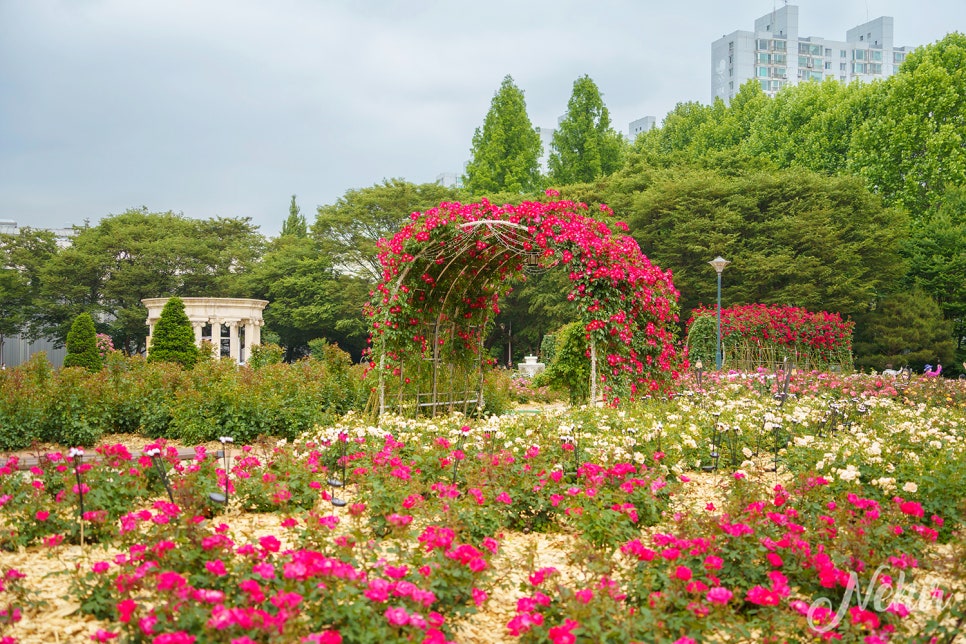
(764, 58)
(843, 53)
(762, 72)
(876, 55)
(778, 58)
(828, 52)
(874, 68)
(763, 44)
(842, 67)
(778, 45)
(858, 68)
(858, 54)
(815, 50)
(842, 78)
(898, 57)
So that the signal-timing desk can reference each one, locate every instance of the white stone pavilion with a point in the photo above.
(231, 325)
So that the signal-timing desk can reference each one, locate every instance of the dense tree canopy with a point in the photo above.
(348, 230)
(506, 150)
(585, 146)
(306, 297)
(22, 256)
(911, 148)
(906, 330)
(109, 268)
(794, 238)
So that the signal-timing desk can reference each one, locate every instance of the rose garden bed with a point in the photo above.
(832, 511)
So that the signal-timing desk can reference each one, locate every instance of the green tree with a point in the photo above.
(506, 151)
(82, 344)
(348, 230)
(174, 339)
(585, 146)
(911, 148)
(570, 368)
(295, 224)
(794, 237)
(795, 127)
(906, 329)
(300, 285)
(22, 255)
(936, 249)
(109, 268)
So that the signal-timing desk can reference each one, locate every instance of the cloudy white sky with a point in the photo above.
(229, 107)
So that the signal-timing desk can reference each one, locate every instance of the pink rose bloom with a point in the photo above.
(397, 616)
(719, 595)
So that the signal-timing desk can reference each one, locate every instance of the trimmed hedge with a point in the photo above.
(160, 400)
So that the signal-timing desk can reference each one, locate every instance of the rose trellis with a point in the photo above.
(445, 271)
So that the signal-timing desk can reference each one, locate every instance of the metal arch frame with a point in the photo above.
(453, 251)
(514, 239)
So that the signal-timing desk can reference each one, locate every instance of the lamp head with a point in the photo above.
(719, 264)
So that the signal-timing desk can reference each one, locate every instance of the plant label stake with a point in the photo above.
(715, 443)
(459, 448)
(77, 455)
(334, 482)
(155, 455)
(218, 497)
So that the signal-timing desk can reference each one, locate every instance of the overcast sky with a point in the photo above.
(229, 107)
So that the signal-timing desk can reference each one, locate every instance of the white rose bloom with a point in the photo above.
(910, 487)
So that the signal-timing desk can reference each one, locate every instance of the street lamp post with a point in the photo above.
(509, 343)
(719, 264)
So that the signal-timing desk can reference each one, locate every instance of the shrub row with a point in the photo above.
(74, 407)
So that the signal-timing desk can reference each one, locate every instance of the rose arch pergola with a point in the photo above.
(445, 271)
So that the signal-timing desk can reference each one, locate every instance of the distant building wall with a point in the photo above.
(777, 56)
(18, 350)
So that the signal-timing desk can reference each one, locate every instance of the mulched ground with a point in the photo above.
(60, 620)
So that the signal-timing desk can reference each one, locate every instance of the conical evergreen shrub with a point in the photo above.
(173, 339)
(82, 344)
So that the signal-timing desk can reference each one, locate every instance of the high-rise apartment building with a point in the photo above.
(777, 56)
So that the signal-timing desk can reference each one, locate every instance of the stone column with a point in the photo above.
(256, 333)
(216, 338)
(197, 326)
(234, 348)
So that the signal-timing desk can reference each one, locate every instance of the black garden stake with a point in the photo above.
(459, 448)
(218, 497)
(155, 455)
(334, 482)
(715, 444)
(77, 455)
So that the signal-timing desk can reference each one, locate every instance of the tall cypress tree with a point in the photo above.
(506, 151)
(585, 146)
(82, 344)
(295, 225)
(174, 339)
